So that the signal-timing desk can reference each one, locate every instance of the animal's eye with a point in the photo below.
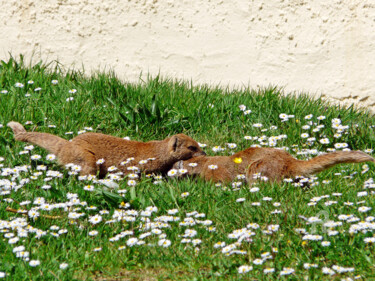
(192, 148)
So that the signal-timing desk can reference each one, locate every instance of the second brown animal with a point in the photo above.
(275, 164)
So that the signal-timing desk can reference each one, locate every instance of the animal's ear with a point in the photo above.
(179, 164)
(173, 144)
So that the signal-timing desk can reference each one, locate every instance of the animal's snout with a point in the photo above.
(200, 153)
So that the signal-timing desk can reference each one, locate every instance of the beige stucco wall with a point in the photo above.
(322, 47)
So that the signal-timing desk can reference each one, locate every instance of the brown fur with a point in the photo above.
(273, 163)
(86, 149)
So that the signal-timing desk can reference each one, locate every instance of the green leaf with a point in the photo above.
(111, 198)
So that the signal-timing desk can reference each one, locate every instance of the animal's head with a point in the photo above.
(183, 147)
(190, 167)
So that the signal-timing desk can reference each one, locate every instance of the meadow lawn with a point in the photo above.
(56, 225)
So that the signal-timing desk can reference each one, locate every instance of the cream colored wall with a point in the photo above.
(322, 47)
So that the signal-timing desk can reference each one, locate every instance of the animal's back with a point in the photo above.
(113, 149)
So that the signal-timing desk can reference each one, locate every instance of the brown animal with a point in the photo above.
(275, 164)
(86, 149)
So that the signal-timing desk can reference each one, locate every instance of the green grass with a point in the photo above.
(155, 109)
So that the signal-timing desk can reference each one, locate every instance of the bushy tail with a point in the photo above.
(47, 141)
(325, 161)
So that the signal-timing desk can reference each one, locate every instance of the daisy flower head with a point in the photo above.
(95, 219)
(341, 145)
(328, 271)
(202, 145)
(306, 127)
(241, 176)
(324, 141)
(185, 194)
(287, 271)
(100, 161)
(156, 231)
(76, 168)
(63, 265)
(219, 245)
(33, 214)
(18, 249)
(35, 157)
(242, 107)
(89, 188)
(258, 261)
(93, 233)
(231, 145)
(172, 172)
(34, 263)
(254, 189)
(283, 116)
(364, 209)
(172, 211)
(135, 169)
(273, 227)
(217, 148)
(131, 182)
(193, 165)
(133, 176)
(132, 241)
(164, 243)
(112, 169)
(51, 157)
(13, 240)
(182, 171)
(41, 167)
(268, 270)
(257, 125)
(369, 240)
(310, 265)
(212, 167)
(244, 269)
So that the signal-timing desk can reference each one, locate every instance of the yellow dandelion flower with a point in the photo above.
(237, 160)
